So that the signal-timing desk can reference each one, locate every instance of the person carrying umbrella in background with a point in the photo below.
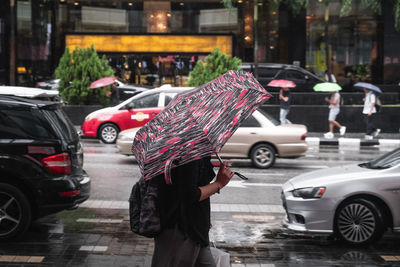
(284, 98)
(334, 106)
(176, 146)
(369, 109)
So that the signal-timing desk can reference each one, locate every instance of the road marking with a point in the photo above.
(18, 258)
(215, 207)
(94, 248)
(242, 184)
(249, 174)
(87, 220)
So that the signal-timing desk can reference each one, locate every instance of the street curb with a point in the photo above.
(352, 142)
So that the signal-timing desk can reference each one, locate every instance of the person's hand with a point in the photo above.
(370, 113)
(224, 175)
(327, 99)
(364, 99)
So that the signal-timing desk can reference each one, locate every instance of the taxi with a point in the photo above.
(136, 111)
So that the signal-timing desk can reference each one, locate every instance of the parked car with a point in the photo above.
(126, 91)
(356, 202)
(106, 123)
(41, 163)
(259, 138)
(29, 92)
(267, 72)
(49, 84)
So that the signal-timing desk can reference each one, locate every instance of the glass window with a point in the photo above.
(350, 41)
(250, 122)
(61, 120)
(267, 72)
(168, 98)
(148, 101)
(292, 74)
(24, 124)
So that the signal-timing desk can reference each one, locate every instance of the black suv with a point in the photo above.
(267, 72)
(41, 162)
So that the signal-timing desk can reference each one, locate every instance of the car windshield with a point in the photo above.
(388, 160)
(269, 117)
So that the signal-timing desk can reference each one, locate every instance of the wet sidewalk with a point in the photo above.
(101, 237)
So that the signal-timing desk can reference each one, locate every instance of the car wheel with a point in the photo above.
(109, 133)
(15, 212)
(263, 156)
(359, 222)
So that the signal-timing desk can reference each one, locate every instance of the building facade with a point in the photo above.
(144, 40)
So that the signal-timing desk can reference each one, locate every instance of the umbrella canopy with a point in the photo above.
(327, 87)
(368, 86)
(282, 83)
(103, 82)
(196, 123)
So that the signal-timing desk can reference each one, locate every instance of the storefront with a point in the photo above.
(145, 40)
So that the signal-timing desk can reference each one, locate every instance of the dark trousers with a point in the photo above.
(369, 122)
(172, 249)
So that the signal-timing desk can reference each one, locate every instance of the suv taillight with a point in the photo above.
(58, 164)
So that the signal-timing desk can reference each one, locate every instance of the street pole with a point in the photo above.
(12, 43)
(255, 26)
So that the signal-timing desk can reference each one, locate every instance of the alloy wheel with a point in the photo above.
(109, 134)
(356, 223)
(10, 213)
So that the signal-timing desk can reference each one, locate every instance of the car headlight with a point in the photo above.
(126, 138)
(309, 192)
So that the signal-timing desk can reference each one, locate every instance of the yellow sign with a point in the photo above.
(140, 116)
(152, 43)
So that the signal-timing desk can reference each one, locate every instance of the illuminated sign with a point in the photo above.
(151, 43)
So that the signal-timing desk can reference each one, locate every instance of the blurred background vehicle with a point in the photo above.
(267, 72)
(258, 138)
(355, 202)
(49, 84)
(41, 163)
(30, 92)
(136, 111)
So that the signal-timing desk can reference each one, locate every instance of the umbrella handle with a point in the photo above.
(241, 176)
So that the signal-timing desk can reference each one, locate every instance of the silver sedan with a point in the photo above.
(356, 202)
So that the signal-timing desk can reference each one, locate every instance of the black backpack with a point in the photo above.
(143, 213)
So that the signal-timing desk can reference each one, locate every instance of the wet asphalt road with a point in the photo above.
(98, 234)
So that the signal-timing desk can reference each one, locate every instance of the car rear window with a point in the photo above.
(267, 72)
(63, 123)
(250, 122)
(23, 123)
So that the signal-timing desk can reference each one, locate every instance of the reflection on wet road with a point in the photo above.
(246, 220)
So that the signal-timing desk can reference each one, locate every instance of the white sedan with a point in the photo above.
(356, 202)
(259, 138)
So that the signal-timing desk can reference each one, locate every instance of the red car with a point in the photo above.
(106, 123)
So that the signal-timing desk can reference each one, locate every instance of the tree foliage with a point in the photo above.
(77, 70)
(215, 64)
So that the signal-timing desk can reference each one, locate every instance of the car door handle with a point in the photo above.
(253, 133)
(154, 113)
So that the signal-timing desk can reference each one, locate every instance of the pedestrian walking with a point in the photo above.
(369, 113)
(334, 110)
(114, 95)
(184, 207)
(284, 99)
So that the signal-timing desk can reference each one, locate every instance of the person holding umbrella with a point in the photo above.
(284, 98)
(369, 109)
(334, 106)
(185, 214)
(176, 146)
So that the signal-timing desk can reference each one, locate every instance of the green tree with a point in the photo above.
(77, 70)
(215, 64)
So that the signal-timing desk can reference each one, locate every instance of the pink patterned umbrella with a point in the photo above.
(103, 82)
(196, 123)
(281, 83)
